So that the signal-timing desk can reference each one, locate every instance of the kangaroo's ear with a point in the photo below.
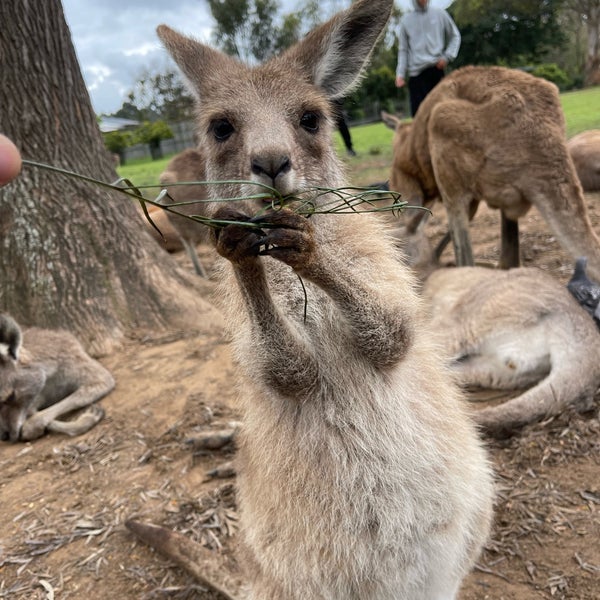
(335, 54)
(198, 62)
(10, 337)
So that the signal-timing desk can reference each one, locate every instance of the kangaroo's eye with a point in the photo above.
(221, 129)
(310, 121)
(11, 398)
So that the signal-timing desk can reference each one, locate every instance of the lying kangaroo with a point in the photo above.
(512, 329)
(361, 476)
(584, 149)
(44, 375)
(494, 134)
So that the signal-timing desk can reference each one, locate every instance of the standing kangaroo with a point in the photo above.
(496, 135)
(361, 476)
(45, 375)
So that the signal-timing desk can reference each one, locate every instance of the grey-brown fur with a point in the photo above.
(45, 378)
(361, 475)
(187, 166)
(513, 329)
(495, 135)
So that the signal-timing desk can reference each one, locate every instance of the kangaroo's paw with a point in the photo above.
(89, 418)
(289, 238)
(235, 242)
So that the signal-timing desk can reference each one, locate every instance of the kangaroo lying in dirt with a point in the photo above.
(361, 476)
(45, 375)
(494, 134)
(584, 149)
(512, 329)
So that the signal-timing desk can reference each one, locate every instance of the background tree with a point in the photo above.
(158, 95)
(588, 12)
(71, 254)
(509, 32)
(152, 134)
(116, 142)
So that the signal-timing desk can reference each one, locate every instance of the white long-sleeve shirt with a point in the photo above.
(426, 35)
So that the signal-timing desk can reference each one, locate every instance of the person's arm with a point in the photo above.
(10, 160)
(453, 39)
(402, 57)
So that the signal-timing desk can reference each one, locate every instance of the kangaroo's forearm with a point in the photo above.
(382, 332)
(286, 361)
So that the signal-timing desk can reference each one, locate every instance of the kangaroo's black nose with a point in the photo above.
(271, 165)
(4, 436)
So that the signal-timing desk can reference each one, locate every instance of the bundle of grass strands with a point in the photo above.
(308, 202)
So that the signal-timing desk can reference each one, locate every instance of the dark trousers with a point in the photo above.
(344, 131)
(420, 85)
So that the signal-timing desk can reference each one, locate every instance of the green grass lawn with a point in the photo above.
(143, 171)
(582, 110)
(373, 143)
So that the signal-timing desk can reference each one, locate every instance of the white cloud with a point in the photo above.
(116, 41)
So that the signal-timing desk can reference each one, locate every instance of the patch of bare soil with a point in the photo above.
(64, 501)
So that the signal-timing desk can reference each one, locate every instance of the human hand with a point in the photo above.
(400, 81)
(10, 160)
(441, 64)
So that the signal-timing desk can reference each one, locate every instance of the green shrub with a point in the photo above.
(552, 72)
(116, 142)
(152, 134)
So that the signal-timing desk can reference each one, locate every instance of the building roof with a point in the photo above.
(108, 124)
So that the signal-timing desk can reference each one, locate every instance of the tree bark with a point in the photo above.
(72, 254)
(592, 65)
(588, 13)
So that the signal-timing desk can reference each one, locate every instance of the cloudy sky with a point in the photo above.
(115, 40)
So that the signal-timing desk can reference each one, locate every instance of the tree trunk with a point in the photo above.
(155, 150)
(72, 254)
(592, 65)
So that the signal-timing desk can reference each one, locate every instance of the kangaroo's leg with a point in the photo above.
(36, 425)
(84, 422)
(458, 224)
(509, 252)
(439, 249)
(191, 250)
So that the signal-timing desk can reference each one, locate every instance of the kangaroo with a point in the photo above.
(44, 375)
(513, 329)
(494, 134)
(187, 166)
(584, 149)
(360, 474)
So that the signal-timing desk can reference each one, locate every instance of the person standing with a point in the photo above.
(342, 125)
(429, 40)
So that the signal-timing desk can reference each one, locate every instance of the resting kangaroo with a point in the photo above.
(584, 149)
(494, 134)
(361, 476)
(45, 375)
(512, 329)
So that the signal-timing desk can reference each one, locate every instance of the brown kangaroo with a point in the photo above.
(44, 375)
(361, 475)
(584, 149)
(187, 166)
(496, 135)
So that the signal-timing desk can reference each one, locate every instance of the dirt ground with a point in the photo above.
(64, 501)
